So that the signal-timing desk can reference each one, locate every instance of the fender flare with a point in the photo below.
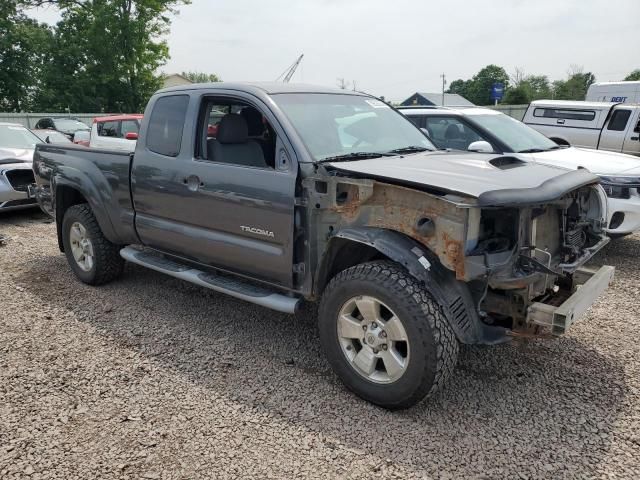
(454, 296)
(91, 195)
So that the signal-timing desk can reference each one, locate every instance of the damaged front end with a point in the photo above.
(532, 258)
(508, 263)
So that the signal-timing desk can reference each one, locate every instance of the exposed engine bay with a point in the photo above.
(530, 254)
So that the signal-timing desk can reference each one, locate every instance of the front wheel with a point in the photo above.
(93, 258)
(385, 336)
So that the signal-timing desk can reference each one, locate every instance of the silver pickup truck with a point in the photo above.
(277, 193)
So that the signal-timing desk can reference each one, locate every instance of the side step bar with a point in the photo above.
(232, 286)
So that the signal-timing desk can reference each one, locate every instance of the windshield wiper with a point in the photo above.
(532, 150)
(354, 156)
(411, 149)
(538, 150)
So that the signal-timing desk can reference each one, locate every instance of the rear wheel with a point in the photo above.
(93, 258)
(385, 335)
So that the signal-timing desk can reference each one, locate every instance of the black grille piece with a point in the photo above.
(616, 220)
(20, 179)
(459, 314)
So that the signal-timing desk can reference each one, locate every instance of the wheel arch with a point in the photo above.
(67, 195)
(351, 246)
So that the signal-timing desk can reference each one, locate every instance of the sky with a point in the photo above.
(397, 47)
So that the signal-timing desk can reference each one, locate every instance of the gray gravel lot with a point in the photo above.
(149, 377)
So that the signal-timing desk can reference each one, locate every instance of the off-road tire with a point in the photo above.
(108, 264)
(434, 347)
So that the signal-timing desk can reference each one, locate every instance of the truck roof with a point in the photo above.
(263, 87)
(110, 118)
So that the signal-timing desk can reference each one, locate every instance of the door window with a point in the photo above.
(449, 132)
(164, 133)
(619, 120)
(235, 132)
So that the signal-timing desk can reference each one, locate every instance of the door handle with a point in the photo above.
(193, 182)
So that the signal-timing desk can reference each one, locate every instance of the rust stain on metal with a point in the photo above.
(398, 208)
(454, 253)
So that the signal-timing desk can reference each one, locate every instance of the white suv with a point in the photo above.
(485, 130)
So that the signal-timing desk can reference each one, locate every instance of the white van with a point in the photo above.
(601, 125)
(619, 92)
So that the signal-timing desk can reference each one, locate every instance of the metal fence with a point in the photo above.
(29, 120)
(515, 111)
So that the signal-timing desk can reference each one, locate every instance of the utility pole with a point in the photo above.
(444, 82)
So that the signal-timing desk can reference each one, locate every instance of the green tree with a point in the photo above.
(633, 76)
(536, 86)
(200, 77)
(516, 96)
(24, 51)
(479, 90)
(574, 87)
(107, 54)
(459, 86)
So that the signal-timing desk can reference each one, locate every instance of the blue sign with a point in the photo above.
(497, 91)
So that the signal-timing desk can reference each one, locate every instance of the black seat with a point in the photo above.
(232, 144)
(454, 138)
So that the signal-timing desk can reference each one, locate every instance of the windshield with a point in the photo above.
(514, 134)
(334, 125)
(70, 125)
(15, 136)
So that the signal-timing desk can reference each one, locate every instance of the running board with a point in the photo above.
(232, 286)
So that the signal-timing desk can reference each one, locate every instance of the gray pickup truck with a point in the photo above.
(277, 193)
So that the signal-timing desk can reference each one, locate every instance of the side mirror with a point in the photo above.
(47, 140)
(131, 136)
(480, 146)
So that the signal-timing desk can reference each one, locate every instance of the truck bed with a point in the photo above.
(103, 176)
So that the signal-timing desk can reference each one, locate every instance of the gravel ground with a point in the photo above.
(150, 377)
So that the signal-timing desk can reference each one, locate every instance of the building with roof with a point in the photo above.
(435, 99)
(174, 80)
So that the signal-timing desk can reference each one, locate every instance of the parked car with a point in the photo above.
(51, 136)
(118, 132)
(622, 92)
(65, 125)
(410, 251)
(599, 125)
(17, 145)
(485, 130)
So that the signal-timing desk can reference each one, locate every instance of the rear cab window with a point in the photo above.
(108, 129)
(166, 123)
(565, 113)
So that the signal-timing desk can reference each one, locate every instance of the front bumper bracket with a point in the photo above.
(588, 286)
